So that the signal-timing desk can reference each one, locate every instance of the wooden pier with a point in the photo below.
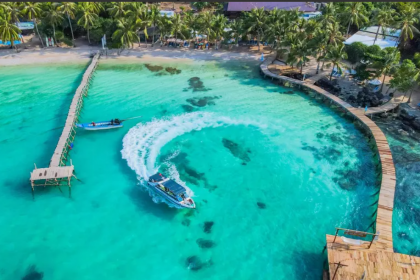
(383, 244)
(58, 172)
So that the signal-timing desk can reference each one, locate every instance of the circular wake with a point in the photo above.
(143, 143)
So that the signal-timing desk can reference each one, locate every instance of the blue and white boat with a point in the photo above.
(171, 190)
(101, 125)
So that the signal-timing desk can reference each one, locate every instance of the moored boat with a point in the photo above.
(171, 190)
(101, 125)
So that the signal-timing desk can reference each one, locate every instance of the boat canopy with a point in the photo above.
(174, 187)
(156, 178)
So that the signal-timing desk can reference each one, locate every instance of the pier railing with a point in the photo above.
(58, 172)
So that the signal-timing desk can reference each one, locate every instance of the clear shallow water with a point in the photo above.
(271, 174)
(406, 217)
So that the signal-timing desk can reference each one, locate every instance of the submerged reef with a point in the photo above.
(196, 84)
(153, 68)
(33, 274)
(194, 263)
(208, 226)
(205, 243)
(202, 101)
(237, 151)
(172, 70)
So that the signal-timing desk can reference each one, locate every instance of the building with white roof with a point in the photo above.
(387, 37)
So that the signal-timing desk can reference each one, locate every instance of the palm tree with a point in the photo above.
(154, 15)
(13, 10)
(384, 18)
(53, 17)
(141, 18)
(8, 31)
(118, 9)
(220, 23)
(177, 26)
(236, 27)
(67, 8)
(335, 55)
(32, 10)
(125, 33)
(390, 60)
(256, 21)
(355, 13)
(164, 23)
(299, 53)
(207, 24)
(407, 22)
(193, 21)
(334, 34)
(329, 14)
(88, 16)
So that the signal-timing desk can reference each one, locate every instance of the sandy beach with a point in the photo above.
(67, 55)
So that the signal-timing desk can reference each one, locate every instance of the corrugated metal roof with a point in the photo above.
(248, 6)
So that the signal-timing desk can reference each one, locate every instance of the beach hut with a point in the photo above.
(374, 85)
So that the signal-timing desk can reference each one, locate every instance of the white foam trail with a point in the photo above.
(143, 143)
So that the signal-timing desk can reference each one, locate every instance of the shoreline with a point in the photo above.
(81, 55)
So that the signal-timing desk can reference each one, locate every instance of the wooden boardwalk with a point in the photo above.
(355, 262)
(388, 181)
(389, 106)
(57, 171)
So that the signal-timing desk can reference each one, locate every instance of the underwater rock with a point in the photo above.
(187, 108)
(205, 243)
(261, 205)
(236, 150)
(32, 274)
(186, 222)
(196, 84)
(325, 152)
(405, 236)
(347, 179)
(153, 68)
(289, 92)
(319, 135)
(202, 101)
(210, 187)
(335, 138)
(194, 263)
(208, 226)
(172, 70)
(192, 173)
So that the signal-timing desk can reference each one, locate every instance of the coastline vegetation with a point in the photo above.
(296, 40)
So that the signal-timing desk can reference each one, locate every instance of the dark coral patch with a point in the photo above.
(186, 222)
(236, 150)
(205, 243)
(154, 68)
(32, 274)
(196, 84)
(187, 108)
(202, 101)
(261, 205)
(194, 263)
(172, 70)
(208, 226)
(319, 135)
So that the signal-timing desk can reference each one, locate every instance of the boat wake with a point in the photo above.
(143, 143)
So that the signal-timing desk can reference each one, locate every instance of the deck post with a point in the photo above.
(336, 232)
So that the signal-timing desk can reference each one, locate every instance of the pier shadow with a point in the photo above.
(307, 265)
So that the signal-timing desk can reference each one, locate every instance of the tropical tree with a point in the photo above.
(141, 19)
(67, 8)
(408, 19)
(193, 21)
(298, 55)
(33, 10)
(9, 31)
(329, 14)
(236, 27)
(390, 60)
(355, 12)
(256, 21)
(207, 24)
(89, 16)
(118, 9)
(384, 18)
(126, 33)
(164, 24)
(53, 17)
(404, 78)
(220, 23)
(154, 15)
(335, 55)
(13, 10)
(177, 26)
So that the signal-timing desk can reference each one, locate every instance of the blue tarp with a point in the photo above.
(157, 177)
(174, 187)
(7, 43)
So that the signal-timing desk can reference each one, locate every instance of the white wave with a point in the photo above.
(143, 143)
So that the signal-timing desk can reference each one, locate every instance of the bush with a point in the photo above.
(67, 41)
(356, 52)
(96, 35)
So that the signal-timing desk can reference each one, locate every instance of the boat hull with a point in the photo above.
(99, 126)
(171, 199)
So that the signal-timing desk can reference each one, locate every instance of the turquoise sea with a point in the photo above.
(271, 170)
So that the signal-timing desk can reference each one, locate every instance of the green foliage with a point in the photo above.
(356, 52)
(404, 77)
(96, 34)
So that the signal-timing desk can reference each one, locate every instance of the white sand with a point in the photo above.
(68, 55)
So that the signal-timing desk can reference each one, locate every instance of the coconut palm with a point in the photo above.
(177, 26)
(329, 14)
(154, 15)
(355, 12)
(236, 27)
(33, 10)
(384, 18)
(125, 33)
(89, 16)
(298, 55)
(118, 9)
(193, 21)
(164, 24)
(335, 55)
(256, 22)
(220, 23)
(8, 31)
(67, 8)
(408, 19)
(13, 10)
(390, 60)
(141, 19)
(207, 24)
(53, 17)
(334, 34)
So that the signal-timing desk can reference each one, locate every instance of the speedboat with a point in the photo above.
(100, 125)
(171, 190)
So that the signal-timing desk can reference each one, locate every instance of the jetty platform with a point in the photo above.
(382, 245)
(58, 172)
